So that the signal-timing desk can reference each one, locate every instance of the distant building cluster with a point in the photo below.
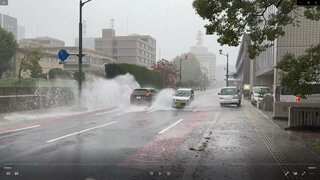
(134, 49)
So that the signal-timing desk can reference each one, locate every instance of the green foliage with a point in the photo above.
(230, 19)
(57, 73)
(76, 76)
(190, 67)
(8, 48)
(300, 72)
(30, 62)
(144, 76)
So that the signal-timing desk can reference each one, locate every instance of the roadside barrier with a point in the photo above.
(304, 116)
(281, 109)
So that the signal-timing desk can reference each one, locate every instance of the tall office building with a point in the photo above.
(295, 41)
(207, 59)
(9, 23)
(133, 49)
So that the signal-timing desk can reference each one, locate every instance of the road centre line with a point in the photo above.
(79, 132)
(171, 126)
(14, 130)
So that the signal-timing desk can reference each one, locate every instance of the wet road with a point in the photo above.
(204, 141)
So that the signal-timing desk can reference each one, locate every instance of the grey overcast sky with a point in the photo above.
(173, 23)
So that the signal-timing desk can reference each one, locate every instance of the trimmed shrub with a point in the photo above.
(144, 76)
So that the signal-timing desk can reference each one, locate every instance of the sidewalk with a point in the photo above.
(310, 138)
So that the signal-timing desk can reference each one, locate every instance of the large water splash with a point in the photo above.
(101, 93)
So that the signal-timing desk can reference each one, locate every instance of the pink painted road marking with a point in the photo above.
(162, 146)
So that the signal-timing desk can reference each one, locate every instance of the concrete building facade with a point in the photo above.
(243, 62)
(91, 62)
(295, 41)
(9, 24)
(207, 60)
(41, 42)
(134, 49)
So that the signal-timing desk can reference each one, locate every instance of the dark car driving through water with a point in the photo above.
(143, 96)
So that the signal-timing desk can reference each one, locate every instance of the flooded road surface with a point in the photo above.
(201, 141)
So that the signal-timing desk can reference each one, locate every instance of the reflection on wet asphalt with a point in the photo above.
(201, 141)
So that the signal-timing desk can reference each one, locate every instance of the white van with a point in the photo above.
(282, 94)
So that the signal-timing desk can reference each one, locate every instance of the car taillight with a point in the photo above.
(147, 94)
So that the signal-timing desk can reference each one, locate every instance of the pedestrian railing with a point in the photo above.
(304, 116)
(281, 109)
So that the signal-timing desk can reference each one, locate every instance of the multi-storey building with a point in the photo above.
(134, 49)
(243, 62)
(9, 23)
(207, 59)
(41, 42)
(295, 41)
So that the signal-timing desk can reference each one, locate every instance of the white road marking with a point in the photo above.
(79, 132)
(152, 111)
(14, 130)
(171, 126)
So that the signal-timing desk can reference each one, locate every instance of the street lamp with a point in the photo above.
(80, 55)
(185, 57)
(227, 73)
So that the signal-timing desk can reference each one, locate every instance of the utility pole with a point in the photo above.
(227, 73)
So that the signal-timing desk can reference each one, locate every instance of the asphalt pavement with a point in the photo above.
(202, 141)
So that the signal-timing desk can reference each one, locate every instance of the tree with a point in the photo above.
(167, 70)
(190, 67)
(8, 48)
(30, 61)
(300, 72)
(57, 73)
(230, 19)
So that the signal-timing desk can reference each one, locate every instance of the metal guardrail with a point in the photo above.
(304, 116)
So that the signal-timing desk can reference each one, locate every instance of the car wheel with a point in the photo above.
(238, 105)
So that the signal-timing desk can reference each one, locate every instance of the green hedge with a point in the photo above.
(145, 77)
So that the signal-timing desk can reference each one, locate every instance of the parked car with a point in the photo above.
(283, 94)
(258, 92)
(143, 96)
(182, 97)
(229, 96)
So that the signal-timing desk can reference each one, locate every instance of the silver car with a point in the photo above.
(229, 96)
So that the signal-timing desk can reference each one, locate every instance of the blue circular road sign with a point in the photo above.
(63, 55)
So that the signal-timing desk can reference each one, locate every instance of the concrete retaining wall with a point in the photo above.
(25, 98)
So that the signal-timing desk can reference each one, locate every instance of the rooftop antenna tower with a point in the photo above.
(112, 24)
(199, 38)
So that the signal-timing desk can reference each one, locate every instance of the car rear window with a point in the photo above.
(228, 91)
(261, 90)
(183, 93)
